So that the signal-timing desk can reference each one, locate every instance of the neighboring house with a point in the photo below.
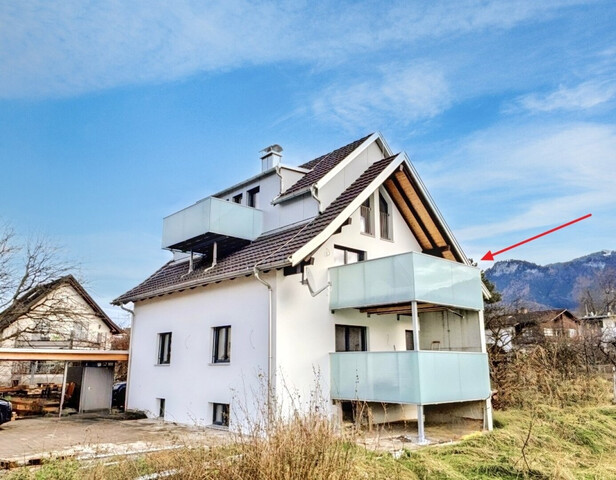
(339, 274)
(522, 329)
(57, 315)
(603, 326)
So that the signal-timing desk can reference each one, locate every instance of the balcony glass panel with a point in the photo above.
(409, 377)
(404, 278)
(212, 216)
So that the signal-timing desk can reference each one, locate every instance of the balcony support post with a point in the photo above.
(415, 317)
(421, 435)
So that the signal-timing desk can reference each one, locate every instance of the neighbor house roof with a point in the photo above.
(536, 318)
(270, 250)
(24, 303)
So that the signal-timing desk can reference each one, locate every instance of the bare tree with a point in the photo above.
(30, 305)
(597, 296)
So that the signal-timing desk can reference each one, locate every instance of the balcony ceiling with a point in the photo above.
(402, 309)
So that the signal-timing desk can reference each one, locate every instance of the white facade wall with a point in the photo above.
(191, 383)
(305, 326)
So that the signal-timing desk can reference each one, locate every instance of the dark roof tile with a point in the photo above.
(321, 165)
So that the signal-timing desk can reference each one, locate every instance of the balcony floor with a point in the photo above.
(393, 437)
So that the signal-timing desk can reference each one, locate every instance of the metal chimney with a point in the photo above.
(270, 157)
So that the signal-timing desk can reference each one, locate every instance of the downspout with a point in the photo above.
(130, 350)
(270, 333)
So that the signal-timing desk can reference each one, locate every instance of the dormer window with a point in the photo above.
(253, 197)
(366, 217)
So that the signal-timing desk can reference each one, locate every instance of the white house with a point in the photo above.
(341, 269)
(56, 315)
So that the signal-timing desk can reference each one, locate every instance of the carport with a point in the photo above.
(92, 370)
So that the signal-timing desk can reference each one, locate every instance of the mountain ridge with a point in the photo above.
(555, 285)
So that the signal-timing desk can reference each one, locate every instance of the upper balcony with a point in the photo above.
(405, 278)
(209, 220)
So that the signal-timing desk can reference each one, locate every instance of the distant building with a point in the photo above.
(57, 315)
(525, 328)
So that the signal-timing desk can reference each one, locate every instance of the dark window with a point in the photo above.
(164, 348)
(161, 408)
(237, 198)
(410, 344)
(366, 217)
(350, 338)
(385, 218)
(344, 256)
(253, 197)
(222, 345)
(221, 414)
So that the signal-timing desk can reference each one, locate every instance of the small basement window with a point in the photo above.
(161, 408)
(220, 414)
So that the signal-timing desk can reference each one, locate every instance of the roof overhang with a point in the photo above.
(42, 354)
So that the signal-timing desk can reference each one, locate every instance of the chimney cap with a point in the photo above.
(275, 148)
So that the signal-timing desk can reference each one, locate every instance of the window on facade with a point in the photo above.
(572, 332)
(220, 414)
(410, 343)
(222, 345)
(366, 217)
(164, 348)
(237, 198)
(161, 407)
(344, 256)
(253, 197)
(350, 338)
(385, 217)
(548, 332)
(80, 331)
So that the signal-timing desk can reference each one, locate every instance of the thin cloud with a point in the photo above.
(509, 182)
(395, 95)
(581, 97)
(71, 47)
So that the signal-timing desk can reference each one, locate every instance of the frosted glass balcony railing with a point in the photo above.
(404, 278)
(211, 216)
(416, 377)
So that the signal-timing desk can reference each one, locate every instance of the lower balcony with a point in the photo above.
(411, 377)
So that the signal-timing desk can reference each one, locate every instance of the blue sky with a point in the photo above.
(115, 114)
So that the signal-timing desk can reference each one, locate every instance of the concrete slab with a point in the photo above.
(27, 441)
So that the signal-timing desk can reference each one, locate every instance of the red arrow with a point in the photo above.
(490, 256)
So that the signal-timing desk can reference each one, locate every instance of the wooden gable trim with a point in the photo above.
(408, 213)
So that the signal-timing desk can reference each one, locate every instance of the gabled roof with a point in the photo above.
(37, 293)
(270, 250)
(320, 166)
(291, 245)
(536, 318)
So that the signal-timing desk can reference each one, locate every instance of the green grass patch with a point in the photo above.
(563, 443)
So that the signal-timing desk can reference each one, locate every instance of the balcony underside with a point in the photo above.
(401, 308)
(203, 244)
